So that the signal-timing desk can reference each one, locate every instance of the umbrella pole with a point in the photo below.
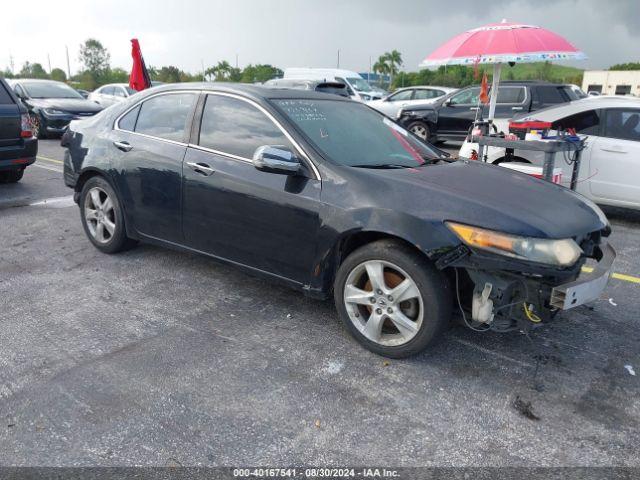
(494, 90)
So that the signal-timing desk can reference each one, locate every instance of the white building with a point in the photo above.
(612, 82)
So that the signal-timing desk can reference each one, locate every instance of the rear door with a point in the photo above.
(10, 121)
(511, 100)
(615, 158)
(147, 149)
(232, 210)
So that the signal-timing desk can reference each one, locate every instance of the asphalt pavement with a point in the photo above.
(156, 357)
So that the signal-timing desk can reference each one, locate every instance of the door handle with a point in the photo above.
(473, 108)
(516, 108)
(201, 168)
(124, 146)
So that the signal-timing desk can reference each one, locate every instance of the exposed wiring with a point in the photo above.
(530, 315)
(464, 317)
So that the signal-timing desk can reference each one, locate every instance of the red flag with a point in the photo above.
(139, 78)
(484, 90)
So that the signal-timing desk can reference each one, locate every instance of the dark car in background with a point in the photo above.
(451, 117)
(18, 147)
(52, 105)
(331, 197)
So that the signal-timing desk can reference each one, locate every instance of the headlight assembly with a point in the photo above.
(54, 111)
(562, 252)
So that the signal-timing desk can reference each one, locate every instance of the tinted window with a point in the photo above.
(511, 94)
(404, 95)
(107, 91)
(587, 122)
(166, 116)
(4, 96)
(352, 134)
(50, 90)
(623, 123)
(128, 122)
(234, 126)
(426, 94)
(466, 97)
(118, 92)
(550, 95)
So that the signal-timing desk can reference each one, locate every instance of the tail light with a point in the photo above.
(25, 126)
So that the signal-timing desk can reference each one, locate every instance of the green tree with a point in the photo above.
(260, 73)
(626, 66)
(6, 73)
(59, 75)
(95, 57)
(222, 72)
(33, 70)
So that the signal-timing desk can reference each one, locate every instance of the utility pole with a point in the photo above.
(11, 64)
(202, 63)
(68, 64)
(236, 60)
(369, 72)
(49, 62)
(338, 59)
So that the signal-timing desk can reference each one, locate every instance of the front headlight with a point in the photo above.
(563, 252)
(54, 111)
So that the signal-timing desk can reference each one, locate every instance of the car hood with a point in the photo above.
(73, 105)
(488, 196)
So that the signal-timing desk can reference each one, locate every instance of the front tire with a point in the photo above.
(102, 216)
(420, 130)
(392, 299)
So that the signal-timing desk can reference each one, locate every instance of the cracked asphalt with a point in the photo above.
(155, 357)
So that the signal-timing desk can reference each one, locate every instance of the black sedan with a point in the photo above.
(52, 105)
(332, 198)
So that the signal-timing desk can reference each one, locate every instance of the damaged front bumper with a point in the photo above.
(588, 286)
(512, 297)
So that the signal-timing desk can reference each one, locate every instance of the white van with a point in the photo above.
(358, 88)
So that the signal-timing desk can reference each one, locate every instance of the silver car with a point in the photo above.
(409, 96)
(112, 93)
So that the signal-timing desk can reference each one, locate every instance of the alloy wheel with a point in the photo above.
(383, 302)
(419, 131)
(99, 215)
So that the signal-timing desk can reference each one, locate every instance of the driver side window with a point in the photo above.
(468, 97)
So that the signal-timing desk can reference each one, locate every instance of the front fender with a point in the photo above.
(432, 238)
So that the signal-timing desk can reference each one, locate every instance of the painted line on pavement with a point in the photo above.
(53, 169)
(617, 276)
(41, 157)
(55, 202)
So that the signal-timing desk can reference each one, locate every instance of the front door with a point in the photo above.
(147, 150)
(615, 158)
(458, 113)
(232, 210)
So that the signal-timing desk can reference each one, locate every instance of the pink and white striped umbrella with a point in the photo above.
(502, 43)
(499, 43)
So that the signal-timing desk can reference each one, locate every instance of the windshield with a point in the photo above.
(360, 84)
(352, 134)
(50, 90)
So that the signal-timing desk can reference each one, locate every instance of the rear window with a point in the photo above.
(511, 94)
(5, 98)
(551, 95)
(165, 116)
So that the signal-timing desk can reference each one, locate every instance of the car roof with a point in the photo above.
(258, 92)
(34, 80)
(589, 103)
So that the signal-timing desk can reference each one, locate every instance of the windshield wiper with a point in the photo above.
(381, 165)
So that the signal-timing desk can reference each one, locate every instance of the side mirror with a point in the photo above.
(447, 102)
(276, 159)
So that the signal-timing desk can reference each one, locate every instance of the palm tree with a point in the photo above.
(381, 67)
(221, 72)
(394, 61)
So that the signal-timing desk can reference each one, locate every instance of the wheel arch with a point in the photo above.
(343, 246)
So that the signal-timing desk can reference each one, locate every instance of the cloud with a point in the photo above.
(303, 32)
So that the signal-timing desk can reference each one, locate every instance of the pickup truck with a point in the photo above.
(18, 146)
(450, 117)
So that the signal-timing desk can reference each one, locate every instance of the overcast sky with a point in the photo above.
(290, 33)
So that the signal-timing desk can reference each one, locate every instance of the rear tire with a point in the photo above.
(11, 176)
(102, 217)
(420, 130)
(403, 325)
